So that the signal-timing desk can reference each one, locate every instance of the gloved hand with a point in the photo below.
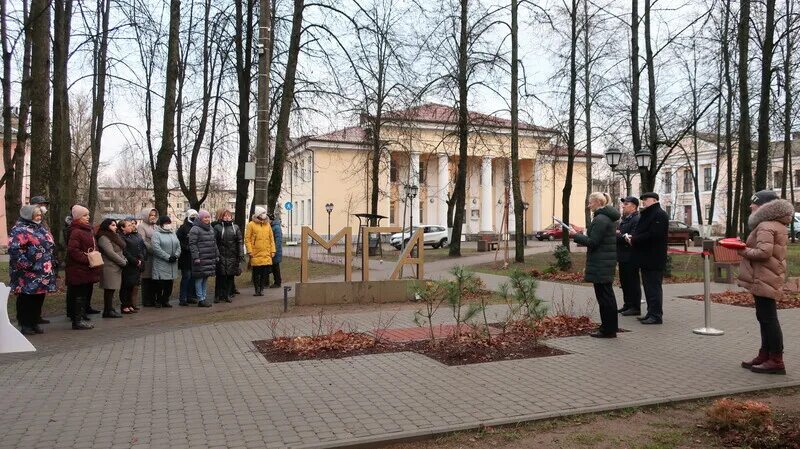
(172, 259)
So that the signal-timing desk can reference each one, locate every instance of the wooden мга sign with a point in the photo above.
(347, 235)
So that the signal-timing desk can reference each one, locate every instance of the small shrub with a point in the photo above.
(520, 292)
(563, 259)
(740, 416)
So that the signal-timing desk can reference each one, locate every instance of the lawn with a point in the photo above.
(431, 255)
(54, 303)
(685, 267)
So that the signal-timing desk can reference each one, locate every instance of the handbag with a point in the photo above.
(95, 258)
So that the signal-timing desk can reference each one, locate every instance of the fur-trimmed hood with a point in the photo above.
(776, 210)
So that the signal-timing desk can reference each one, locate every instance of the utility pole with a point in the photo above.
(262, 115)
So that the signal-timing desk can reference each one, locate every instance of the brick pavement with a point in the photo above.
(204, 386)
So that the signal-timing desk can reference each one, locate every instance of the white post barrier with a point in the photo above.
(11, 340)
(707, 329)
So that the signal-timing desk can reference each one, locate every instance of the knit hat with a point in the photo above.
(163, 220)
(190, 213)
(203, 214)
(259, 211)
(27, 211)
(79, 211)
(763, 197)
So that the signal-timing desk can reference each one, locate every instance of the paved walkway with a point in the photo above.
(205, 386)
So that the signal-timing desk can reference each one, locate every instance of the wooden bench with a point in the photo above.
(488, 245)
(679, 238)
(725, 259)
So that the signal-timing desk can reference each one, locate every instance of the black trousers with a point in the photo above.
(767, 316)
(276, 273)
(653, 294)
(85, 302)
(148, 292)
(223, 287)
(162, 289)
(631, 285)
(127, 293)
(608, 307)
(261, 276)
(29, 309)
(78, 296)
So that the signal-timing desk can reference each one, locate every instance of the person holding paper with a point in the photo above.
(601, 259)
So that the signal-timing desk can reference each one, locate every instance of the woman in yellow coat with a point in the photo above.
(260, 243)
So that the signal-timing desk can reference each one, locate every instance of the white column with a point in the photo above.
(536, 196)
(487, 211)
(444, 184)
(413, 179)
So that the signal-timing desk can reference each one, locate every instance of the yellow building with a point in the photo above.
(422, 149)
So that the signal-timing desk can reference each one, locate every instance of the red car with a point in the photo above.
(553, 232)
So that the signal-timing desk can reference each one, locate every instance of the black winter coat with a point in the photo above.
(135, 252)
(203, 248)
(185, 259)
(649, 239)
(601, 243)
(626, 226)
(229, 244)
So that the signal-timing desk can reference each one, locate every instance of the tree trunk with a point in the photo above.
(636, 134)
(165, 154)
(731, 219)
(98, 96)
(243, 43)
(262, 121)
(787, 115)
(765, 103)
(587, 107)
(287, 100)
(40, 97)
(649, 173)
(573, 86)
(745, 168)
(459, 190)
(718, 154)
(519, 210)
(61, 191)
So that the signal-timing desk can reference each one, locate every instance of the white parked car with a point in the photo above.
(435, 236)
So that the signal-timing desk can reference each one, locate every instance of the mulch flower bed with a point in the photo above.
(559, 276)
(518, 342)
(791, 300)
(753, 424)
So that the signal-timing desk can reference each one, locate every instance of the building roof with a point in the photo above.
(351, 134)
(439, 113)
(561, 151)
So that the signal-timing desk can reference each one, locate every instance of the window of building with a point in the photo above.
(667, 181)
(797, 177)
(392, 211)
(423, 173)
(309, 211)
(708, 213)
(707, 178)
(777, 179)
(669, 211)
(393, 170)
(687, 180)
(302, 212)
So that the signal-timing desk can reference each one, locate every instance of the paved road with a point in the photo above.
(204, 386)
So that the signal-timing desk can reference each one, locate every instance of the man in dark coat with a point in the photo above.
(649, 242)
(628, 271)
(187, 293)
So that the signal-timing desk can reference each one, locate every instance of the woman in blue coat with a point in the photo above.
(276, 260)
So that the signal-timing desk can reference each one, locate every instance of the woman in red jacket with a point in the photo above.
(80, 276)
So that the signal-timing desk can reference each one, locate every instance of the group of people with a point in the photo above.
(144, 254)
(638, 241)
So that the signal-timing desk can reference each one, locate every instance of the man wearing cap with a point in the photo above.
(628, 271)
(649, 243)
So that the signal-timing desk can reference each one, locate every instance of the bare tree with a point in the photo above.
(266, 36)
(99, 82)
(61, 192)
(40, 96)
(167, 150)
(287, 100)
(765, 100)
(243, 44)
(744, 168)
(571, 124)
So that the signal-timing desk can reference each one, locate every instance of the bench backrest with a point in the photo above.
(726, 255)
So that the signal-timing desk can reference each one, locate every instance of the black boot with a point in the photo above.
(77, 314)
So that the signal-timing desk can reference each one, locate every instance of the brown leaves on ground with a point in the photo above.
(338, 342)
(565, 326)
(558, 276)
(753, 424)
(790, 300)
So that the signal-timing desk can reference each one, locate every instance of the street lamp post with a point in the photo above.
(614, 157)
(329, 209)
(411, 193)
